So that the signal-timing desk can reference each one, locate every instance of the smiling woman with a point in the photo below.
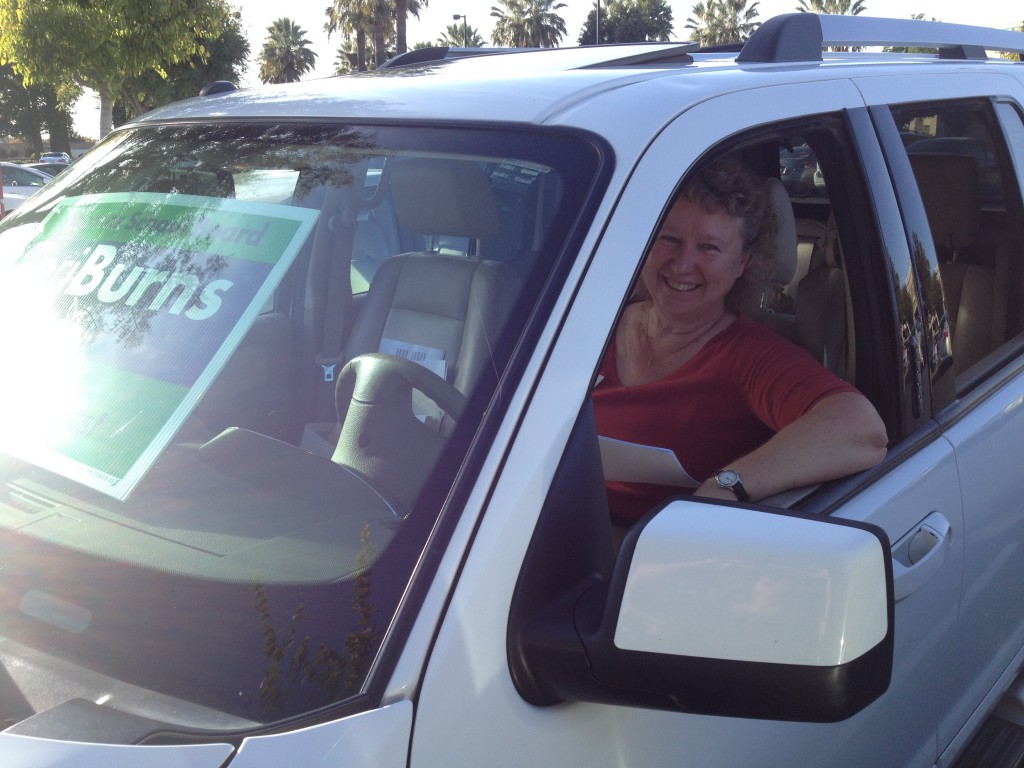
(740, 406)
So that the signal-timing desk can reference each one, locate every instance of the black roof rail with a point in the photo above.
(440, 53)
(794, 37)
(218, 86)
(666, 53)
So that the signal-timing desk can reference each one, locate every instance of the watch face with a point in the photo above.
(727, 478)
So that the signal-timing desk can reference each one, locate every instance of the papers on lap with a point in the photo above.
(635, 463)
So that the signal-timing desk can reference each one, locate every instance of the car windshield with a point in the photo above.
(244, 367)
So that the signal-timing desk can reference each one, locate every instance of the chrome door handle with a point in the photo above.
(920, 554)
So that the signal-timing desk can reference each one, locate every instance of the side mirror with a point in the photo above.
(717, 610)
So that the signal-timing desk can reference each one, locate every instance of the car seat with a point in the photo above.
(444, 308)
(822, 316)
(976, 301)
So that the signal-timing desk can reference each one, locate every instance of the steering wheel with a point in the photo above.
(381, 438)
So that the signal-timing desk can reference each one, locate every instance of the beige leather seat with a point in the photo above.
(822, 323)
(975, 299)
(452, 307)
(777, 302)
(442, 311)
(808, 273)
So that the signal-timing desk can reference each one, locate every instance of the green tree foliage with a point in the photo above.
(528, 23)
(286, 55)
(461, 36)
(629, 21)
(101, 44)
(345, 58)
(837, 7)
(224, 59)
(715, 22)
(30, 110)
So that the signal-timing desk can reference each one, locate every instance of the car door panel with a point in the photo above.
(922, 483)
(983, 426)
(990, 627)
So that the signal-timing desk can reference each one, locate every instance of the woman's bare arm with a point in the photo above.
(840, 435)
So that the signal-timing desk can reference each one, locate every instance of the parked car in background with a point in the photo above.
(299, 462)
(20, 182)
(55, 157)
(50, 168)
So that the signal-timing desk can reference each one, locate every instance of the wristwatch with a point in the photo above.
(730, 480)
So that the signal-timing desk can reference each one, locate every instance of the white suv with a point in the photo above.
(299, 464)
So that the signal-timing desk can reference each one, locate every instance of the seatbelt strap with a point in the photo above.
(333, 244)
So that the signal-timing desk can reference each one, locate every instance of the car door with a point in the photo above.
(468, 696)
(977, 398)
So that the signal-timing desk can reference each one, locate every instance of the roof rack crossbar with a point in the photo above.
(794, 37)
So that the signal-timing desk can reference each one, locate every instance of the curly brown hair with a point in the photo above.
(730, 186)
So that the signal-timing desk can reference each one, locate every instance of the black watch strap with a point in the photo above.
(730, 480)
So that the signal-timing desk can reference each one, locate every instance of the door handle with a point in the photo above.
(920, 554)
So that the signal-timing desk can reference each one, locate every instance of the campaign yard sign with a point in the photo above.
(132, 303)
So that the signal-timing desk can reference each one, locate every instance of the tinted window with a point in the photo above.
(970, 196)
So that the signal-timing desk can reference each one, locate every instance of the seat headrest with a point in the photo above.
(949, 190)
(785, 245)
(204, 183)
(435, 196)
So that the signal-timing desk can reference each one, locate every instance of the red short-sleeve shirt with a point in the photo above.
(743, 386)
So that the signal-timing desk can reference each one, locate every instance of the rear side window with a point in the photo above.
(971, 196)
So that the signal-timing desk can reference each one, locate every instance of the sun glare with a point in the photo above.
(39, 389)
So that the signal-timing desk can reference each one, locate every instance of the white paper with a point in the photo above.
(635, 463)
(430, 358)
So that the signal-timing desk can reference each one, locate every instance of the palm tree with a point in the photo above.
(402, 10)
(838, 7)
(715, 22)
(528, 23)
(286, 55)
(401, 16)
(344, 58)
(353, 18)
(383, 31)
(461, 36)
(381, 21)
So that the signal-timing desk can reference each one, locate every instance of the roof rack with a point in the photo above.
(433, 54)
(216, 87)
(664, 54)
(794, 37)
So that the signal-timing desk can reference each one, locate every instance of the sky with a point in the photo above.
(257, 15)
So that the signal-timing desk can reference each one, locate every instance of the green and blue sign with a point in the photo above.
(131, 306)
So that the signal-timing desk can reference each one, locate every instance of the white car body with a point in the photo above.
(474, 667)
